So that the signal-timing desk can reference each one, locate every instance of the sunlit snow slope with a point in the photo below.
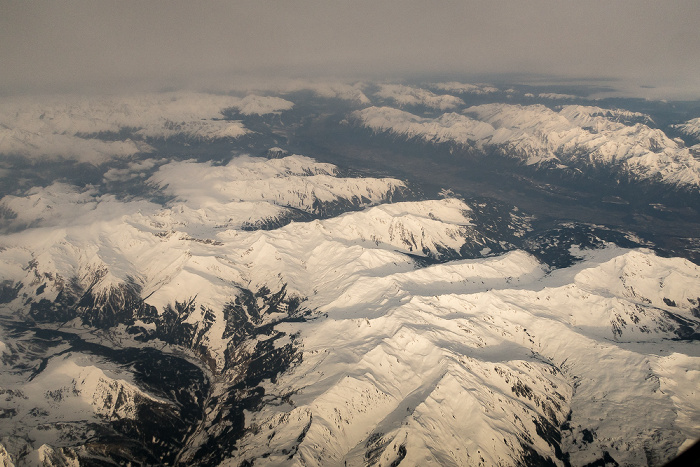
(362, 336)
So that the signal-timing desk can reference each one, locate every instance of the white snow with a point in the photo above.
(456, 362)
(262, 105)
(407, 95)
(72, 390)
(535, 134)
(436, 367)
(690, 128)
(449, 127)
(293, 181)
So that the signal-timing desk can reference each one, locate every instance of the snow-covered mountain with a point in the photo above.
(174, 292)
(97, 130)
(403, 95)
(690, 128)
(575, 137)
(360, 337)
(485, 362)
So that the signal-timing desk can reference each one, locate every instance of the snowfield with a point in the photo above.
(573, 137)
(497, 360)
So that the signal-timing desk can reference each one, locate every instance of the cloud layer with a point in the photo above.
(65, 127)
(104, 45)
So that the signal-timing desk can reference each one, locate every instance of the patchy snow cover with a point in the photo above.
(82, 390)
(47, 456)
(69, 390)
(408, 96)
(535, 134)
(65, 127)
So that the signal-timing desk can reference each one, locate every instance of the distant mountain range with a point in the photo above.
(573, 138)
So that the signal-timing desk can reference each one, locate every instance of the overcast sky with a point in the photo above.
(48, 46)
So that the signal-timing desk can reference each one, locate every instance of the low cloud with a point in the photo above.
(62, 204)
(106, 46)
(69, 127)
(140, 169)
(19, 142)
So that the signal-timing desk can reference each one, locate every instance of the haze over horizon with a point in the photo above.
(642, 47)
